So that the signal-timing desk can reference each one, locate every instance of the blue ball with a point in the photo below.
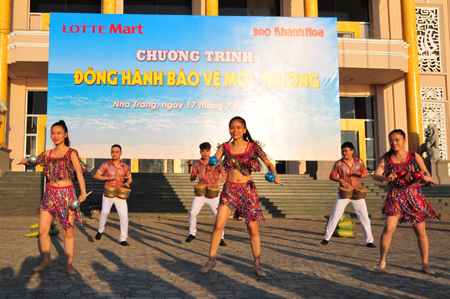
(270, 177)
(74, 204)
(213, 160)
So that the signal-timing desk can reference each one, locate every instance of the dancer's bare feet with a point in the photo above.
(380, 267)
(42, 267)
(208, 266)
(427, 269)
(70, 270)
(260, 272)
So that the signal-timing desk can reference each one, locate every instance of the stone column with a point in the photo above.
(109, 6)
(212, 7)
(5, 13)
(413, 107)
(311, 8)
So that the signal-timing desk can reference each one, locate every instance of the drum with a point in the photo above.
(200, 189)
(123, 193)
(110, 191)
(359, 192)
(212, 192)
(346, 192)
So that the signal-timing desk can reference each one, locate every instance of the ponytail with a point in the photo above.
(391, 151)
(63, 125)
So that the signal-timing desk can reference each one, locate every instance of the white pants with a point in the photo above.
(197, 205)
(361, 211)
(122, 210)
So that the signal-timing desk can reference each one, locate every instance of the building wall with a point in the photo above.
(390, 98)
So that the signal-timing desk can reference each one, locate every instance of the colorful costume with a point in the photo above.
(121, 173)
(405, 197)
(243, 197)
(346, 172)
(211, 176)
(57, 200)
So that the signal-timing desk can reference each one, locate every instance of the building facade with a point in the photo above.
(390, 78)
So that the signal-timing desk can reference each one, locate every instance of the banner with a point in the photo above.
(160, 85)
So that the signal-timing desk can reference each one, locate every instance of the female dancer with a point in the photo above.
(60, 166)
(405, 200)
(239, 192)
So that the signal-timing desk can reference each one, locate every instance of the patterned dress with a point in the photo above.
(56, 200)
(243, 197)
(405, 198)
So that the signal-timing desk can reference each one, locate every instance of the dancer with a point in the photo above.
(241, 155)
(209, 175)
(405, 200)
(59, 166)
(114, 172)
(348, 172)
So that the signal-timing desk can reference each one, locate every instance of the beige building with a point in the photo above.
(388, 78)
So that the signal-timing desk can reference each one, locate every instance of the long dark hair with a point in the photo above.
(63, 125)
(391, 151)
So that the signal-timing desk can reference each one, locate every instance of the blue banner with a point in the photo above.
(160, 85)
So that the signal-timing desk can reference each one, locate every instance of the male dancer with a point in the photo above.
(348, 172)
(212, 176)
(114, 172)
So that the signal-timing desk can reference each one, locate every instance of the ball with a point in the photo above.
(213, 160)
(32, 159)
(418, 176)
(75, 204)
(270, 177)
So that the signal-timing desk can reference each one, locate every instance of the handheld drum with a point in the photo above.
(212, 192)
(123, 193)
(359, 192)
(200, 189)
(345, 192)
(110, 191)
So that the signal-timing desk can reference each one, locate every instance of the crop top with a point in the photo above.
(58, 169)
(246, 162)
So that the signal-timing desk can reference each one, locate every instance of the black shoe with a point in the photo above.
(124, 243)
(190, 238)
(371, 245)
(98, 236)
(324, 242)
(222, 243)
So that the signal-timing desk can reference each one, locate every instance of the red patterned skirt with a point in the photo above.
(56, 201)
(243, 198)
(409, 203)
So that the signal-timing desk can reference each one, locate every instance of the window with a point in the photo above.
(345, 10)
(360, 108)
(36, 105)
(249, 8)
(77, 6)
(356, 108)
(158, 7)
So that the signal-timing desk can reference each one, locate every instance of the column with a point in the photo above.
(311, 8)
(5, 13)
(413, 107)
(109, 6)
(212, 7)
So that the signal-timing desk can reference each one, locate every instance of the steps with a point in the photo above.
(157, 194)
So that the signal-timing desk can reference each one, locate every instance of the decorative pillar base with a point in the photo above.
(439, 171)
(5, 161)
